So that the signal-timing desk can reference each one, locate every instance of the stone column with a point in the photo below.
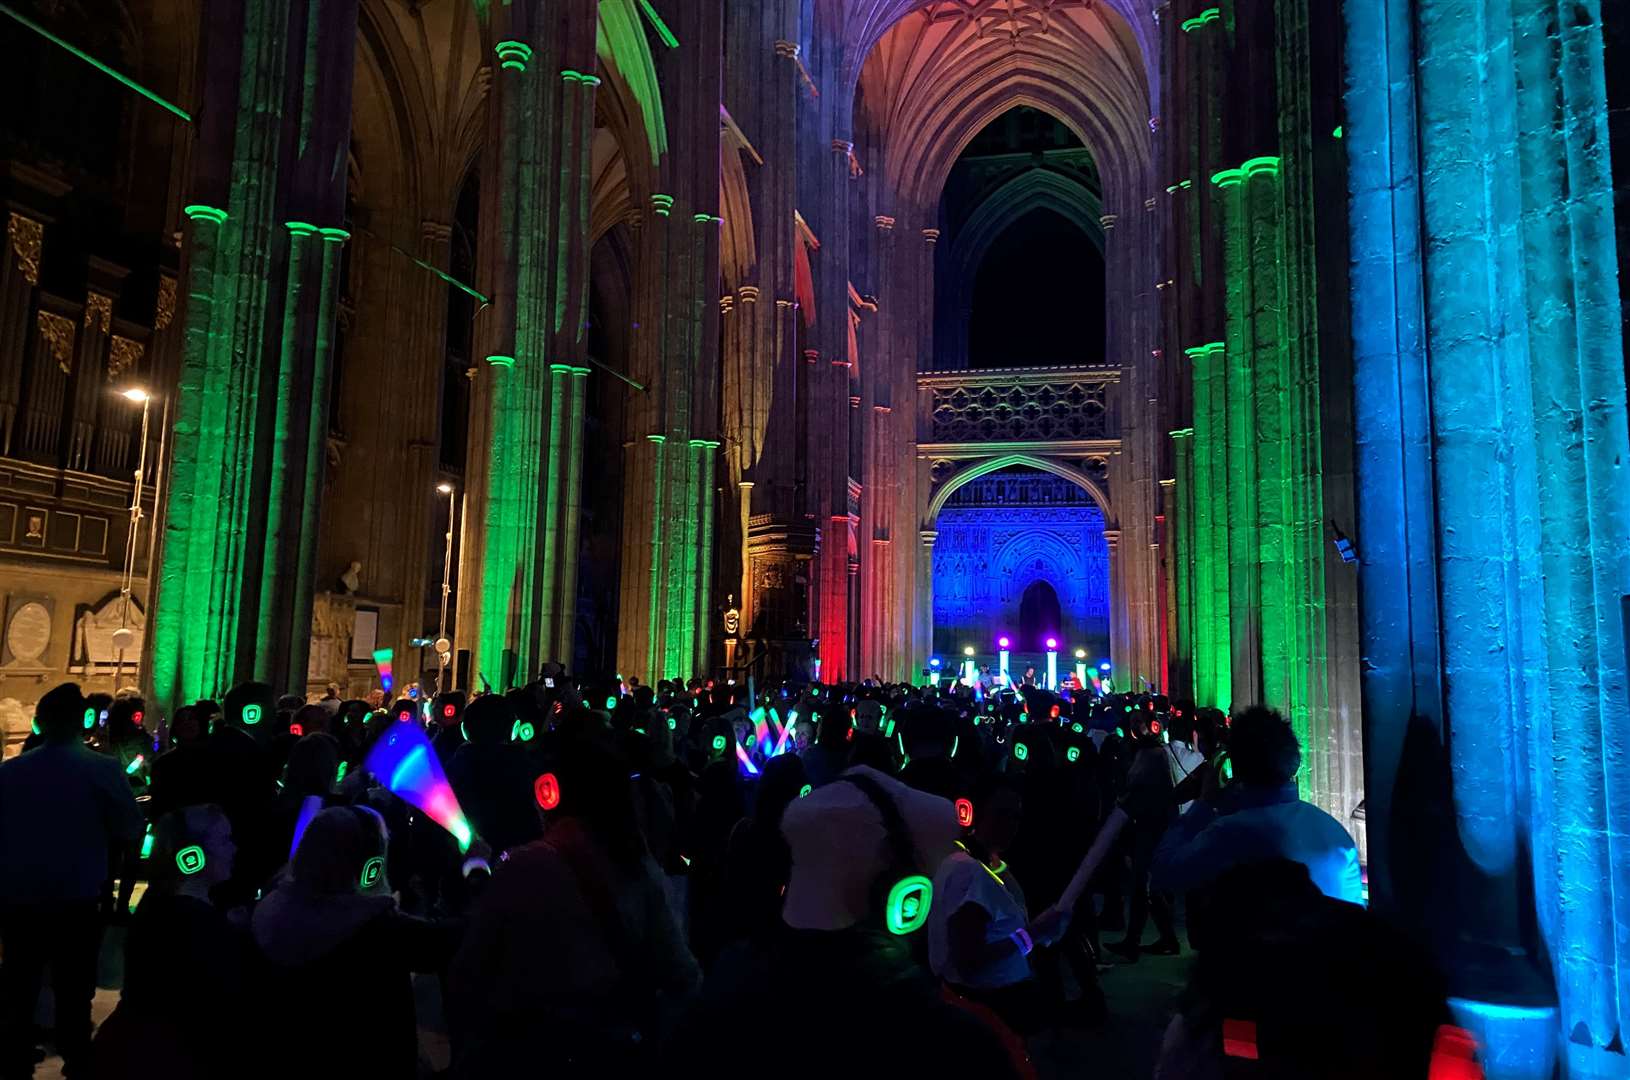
(671, 475)
(1490, 403)
(534, 246)
(240, 524)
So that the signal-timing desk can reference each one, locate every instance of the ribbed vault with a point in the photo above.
(940, 72)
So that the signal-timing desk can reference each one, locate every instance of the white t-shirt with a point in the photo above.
(963, 879)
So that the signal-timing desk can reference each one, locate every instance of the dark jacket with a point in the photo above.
(894, 1021)
(185, 992)
(64, 811)
(340, 967)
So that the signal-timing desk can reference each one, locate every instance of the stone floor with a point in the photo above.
(1141, 999)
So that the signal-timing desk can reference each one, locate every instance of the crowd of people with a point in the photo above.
(697, 876)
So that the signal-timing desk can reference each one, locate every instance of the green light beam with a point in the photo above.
(658, 25)
(95, 63)
(450, 279)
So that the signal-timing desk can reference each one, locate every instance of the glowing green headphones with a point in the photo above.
(371, 871)
(190, 859)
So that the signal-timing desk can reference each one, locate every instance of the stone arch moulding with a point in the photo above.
(984, 467)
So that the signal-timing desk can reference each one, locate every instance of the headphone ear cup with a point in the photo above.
(905, 910)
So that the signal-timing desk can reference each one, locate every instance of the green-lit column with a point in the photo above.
(1180, 557)
(1277, 560)
(316, 454)
(1213, 650)
(276, 566)
(556, 464)
(1244, 534)
(510, 522)
(706, 469)
(187, 646)
(571, 520)
(654, 640)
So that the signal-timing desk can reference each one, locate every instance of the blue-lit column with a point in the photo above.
(1492, 444)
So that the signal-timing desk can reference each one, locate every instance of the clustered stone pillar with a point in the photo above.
(672, 464)
(1490, 403)
(264, 234)
(525, 494)
(1250, 488)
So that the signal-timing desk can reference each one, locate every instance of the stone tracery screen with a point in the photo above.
(1026, 411)
(986, 556)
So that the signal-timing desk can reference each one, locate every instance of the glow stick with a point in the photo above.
(382, 660)
(135, 764)
(402, 758)
(1095, 855)
(741, 756)
(310, 807)
(786, 732)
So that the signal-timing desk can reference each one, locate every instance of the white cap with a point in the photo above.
(839, 847)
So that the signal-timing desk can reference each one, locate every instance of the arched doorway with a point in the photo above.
(1020, 552)
(1039, 616)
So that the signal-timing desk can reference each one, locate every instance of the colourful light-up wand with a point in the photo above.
(410, 770)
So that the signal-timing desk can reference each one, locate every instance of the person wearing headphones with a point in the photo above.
(980, 934)
(332, 939)
(185, 971)
(843, 959)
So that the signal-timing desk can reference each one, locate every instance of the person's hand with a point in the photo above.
(1049, 927)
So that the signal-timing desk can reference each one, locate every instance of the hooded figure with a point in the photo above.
(336, 946)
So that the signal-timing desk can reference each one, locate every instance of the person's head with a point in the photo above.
(192, 850)
(846, 855)
(187, 727)
(803, 734)
(1263, 748)
(60, 714)
(251, 706)
(998, 812)
(309, 720)
(334, 854)
(489, 720)
(404, 710)
(314, 764)
(448, 708)
(376, 698)
(125, 719)
(595, 791)
(835, 727)
(782, 782)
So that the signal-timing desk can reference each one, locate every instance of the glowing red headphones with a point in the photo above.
(546, 789)
(964, 813)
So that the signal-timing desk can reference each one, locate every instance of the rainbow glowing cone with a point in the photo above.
(382, 660)
(410, 770)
